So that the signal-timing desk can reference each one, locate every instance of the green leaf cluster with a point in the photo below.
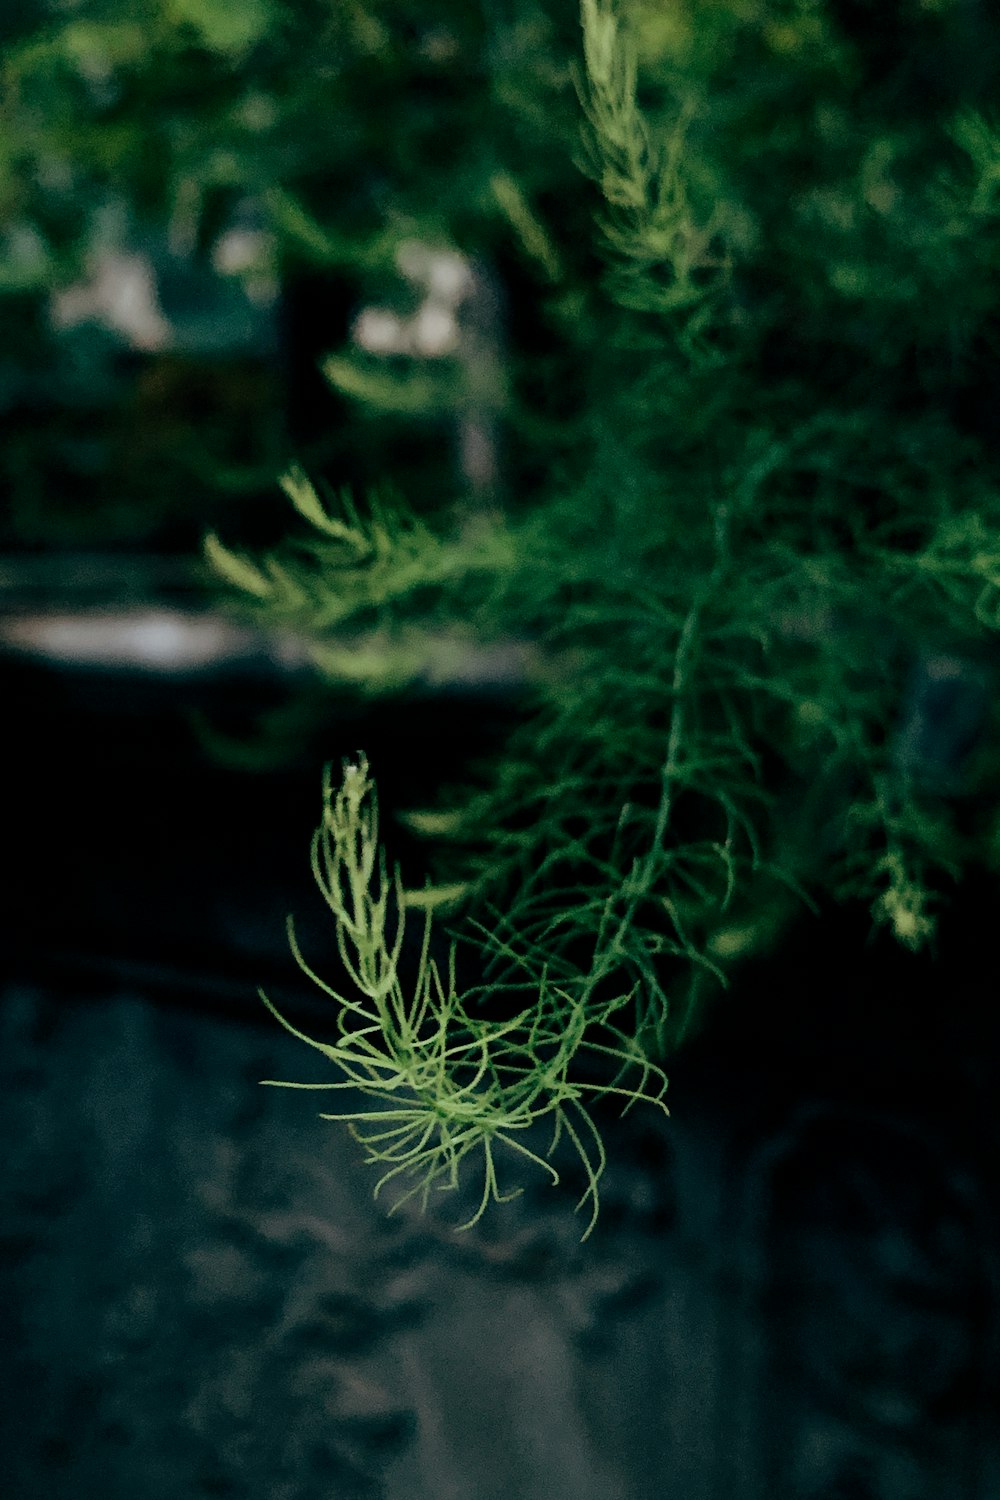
(154, 127)
(761, 560)
(438, 1083)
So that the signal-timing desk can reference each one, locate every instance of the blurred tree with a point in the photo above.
(194, 181)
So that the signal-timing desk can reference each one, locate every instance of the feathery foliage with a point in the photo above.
(440, 1084)
(762, 559)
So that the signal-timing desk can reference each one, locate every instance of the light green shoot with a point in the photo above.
(650, 223)
(437, 1082)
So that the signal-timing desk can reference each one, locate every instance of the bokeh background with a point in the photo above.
(233, 236)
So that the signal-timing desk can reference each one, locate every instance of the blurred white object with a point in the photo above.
(380, 331)
(460, 316)
(121, 294)
(251, 255)
(156, 291)
(156, 640)
(434, 331)
(164, 641)
(445, 274)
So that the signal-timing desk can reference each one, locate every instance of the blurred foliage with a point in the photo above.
(752, 500)
(336, 132)
(712, 423)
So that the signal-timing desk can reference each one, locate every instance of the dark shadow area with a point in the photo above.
(792, 1289)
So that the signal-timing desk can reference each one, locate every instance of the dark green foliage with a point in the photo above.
(338, 132)
(762, 558)
(734, 342)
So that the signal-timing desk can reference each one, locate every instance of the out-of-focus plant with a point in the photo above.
(168, 168)
(733, 456)
(761, 559)
(763, 567)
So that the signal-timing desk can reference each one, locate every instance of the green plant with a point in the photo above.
(441, 1084)
(764, 548)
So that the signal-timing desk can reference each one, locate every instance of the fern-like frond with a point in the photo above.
(666, 256)
(439, 1083)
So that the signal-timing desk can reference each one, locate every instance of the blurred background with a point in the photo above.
(233, 236)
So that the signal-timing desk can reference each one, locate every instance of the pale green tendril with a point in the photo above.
(439, 1083)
